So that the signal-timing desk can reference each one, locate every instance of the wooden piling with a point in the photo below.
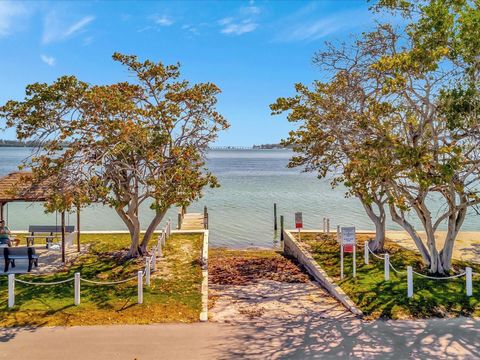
(275, 226)
(179, 225)
(281, 228)
(205, 218)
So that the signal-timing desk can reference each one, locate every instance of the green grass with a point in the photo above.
(378, 298)
(174, 294)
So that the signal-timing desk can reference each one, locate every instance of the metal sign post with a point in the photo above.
(298, 222)
(341, 261)
(348, 244)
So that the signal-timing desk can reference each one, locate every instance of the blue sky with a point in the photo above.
(253, 50)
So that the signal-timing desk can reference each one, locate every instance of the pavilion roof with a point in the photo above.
(17, 186)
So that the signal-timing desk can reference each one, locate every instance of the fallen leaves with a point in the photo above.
(243, 270)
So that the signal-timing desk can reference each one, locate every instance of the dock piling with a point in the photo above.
(275, 226)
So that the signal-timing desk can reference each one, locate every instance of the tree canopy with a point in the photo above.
(130, 143)
(397, 122)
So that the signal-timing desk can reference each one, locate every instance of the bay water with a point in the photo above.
(240, 211)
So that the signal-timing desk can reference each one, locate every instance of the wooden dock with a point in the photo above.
(192, 221)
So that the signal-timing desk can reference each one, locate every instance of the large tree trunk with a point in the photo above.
(130, 218)
(400, 220)
(455, 221)
(379, 222)
(378, 243)
(151, 229)
(134, 250)
(438, 261)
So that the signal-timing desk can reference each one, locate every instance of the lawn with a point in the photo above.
(378, 298)
(174, 294)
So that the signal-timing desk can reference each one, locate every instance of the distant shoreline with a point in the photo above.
(214, 148)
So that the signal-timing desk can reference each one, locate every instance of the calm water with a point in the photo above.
(241, 210)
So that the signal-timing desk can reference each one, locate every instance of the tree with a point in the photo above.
(416, 117)
(335, 137)
(129, 142)
(433, 74)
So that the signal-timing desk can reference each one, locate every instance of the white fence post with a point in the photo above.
(76, 287)
(154, 262)
(11, 290)
(328, 225)
(468, 276)
(387, 267)
(159, 247)
(147, 271)
(366, 253)
(409, 281)
(163, 240)
(140, 287)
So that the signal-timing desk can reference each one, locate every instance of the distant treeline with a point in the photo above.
(16, 143)
(272, 146)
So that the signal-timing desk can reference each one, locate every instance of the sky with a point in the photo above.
(254, 51)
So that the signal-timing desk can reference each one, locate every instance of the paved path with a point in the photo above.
(298, 338)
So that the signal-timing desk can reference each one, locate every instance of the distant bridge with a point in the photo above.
(230, 148)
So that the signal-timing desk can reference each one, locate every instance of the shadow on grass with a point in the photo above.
(378, 298)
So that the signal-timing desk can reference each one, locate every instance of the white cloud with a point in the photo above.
(190, 28)
(251, 10)
(225, 21)
(49, 60)
(10, 12)
(244, 21)
(56, 30)
(313, 30)
(163, 20)
(79, 25)
(233, 28)
(310, 30)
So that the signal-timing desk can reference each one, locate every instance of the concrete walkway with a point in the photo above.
(297, 338)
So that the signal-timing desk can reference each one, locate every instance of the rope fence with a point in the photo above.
(43, 283)
(410, 272)
(150, 266)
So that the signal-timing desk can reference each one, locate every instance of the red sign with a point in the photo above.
(298, 220)
(348, 248)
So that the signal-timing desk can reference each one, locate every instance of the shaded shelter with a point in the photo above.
(17, 187)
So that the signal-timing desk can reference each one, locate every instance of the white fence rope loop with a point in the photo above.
(44, 283)
(439, 278)
(377, 256)
(107, 282)
(393, 268)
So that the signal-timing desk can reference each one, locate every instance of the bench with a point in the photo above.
(47, 232)
(11, 254)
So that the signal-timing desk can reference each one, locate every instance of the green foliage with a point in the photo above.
(378, 298)
(174, 295)
(129, 142)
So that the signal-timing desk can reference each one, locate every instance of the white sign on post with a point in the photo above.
(298, 222)
(348, 245)
(348, 235)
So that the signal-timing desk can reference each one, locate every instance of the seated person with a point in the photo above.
(5, 235)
